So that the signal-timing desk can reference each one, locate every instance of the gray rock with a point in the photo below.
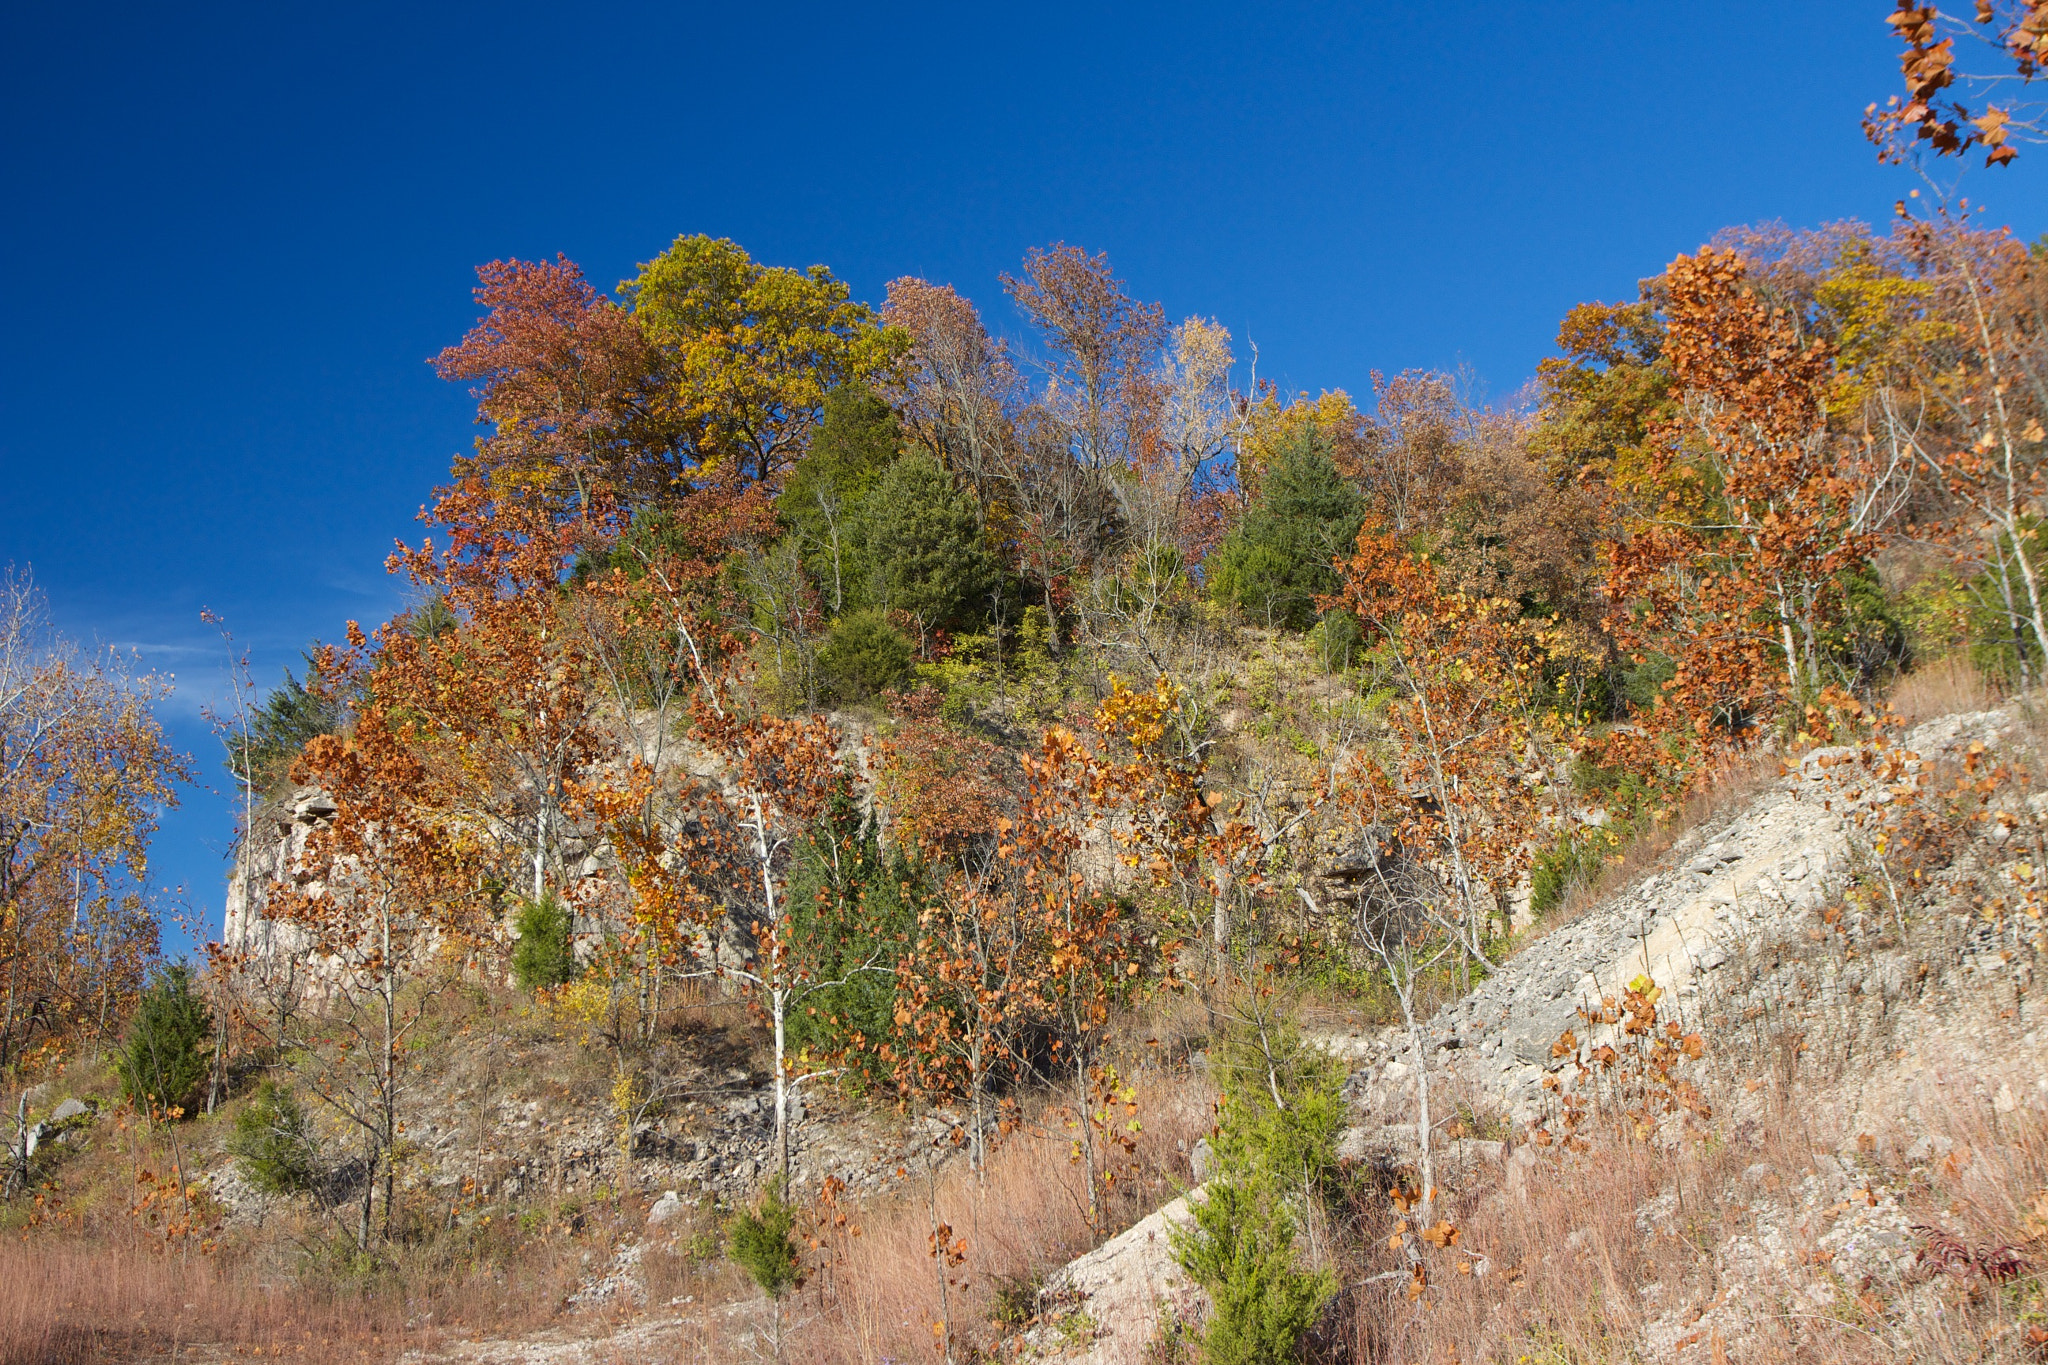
(670, 1205)
(1202, 1160)
(69, 1110)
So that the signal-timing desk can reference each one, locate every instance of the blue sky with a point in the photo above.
(234, 234)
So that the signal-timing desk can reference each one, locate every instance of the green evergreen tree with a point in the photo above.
(853, 906)
(858, 439)
(169, 1044)
(864, 656)
(925, 547)
(273, 1139)
(1277, 561)
(1275, 1154)
(545, 955)
(278, 730)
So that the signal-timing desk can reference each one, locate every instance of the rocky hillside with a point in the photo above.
(1860, 1143)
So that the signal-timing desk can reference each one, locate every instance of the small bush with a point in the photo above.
(544, 956)
(167, 1051)
(1574, 860)
(863, 657)
(759, 1242)
(273, 1139)
(1272, 1161)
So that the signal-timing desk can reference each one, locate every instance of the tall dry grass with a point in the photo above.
(108, 1293)
(883, 1295)
(1943, 687)
(68, 1301)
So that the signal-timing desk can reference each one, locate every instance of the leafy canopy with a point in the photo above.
(748, 352)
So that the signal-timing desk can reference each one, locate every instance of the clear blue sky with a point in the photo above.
(233, 235)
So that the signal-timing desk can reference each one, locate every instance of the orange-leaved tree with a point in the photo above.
(972, 977)
(1098, 949)
(567, 382)
(1735, 536)
(1933, 111)
(492, 691)
(780, 775)
(1448, 807)
(388, 887)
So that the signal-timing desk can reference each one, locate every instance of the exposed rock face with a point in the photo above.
(1758, 872)
(277, 837)
(1709, 927)
(1123, 1286)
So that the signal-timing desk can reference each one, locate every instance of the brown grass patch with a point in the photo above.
(882, 1294)
(1947, 686)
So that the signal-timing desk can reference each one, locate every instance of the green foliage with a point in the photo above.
(1337, 641)
(858, 438)
(749, 352)
(168, 1048)
(278, 729)
(1643, 683)
(759, 1242)
(853, 906)
(273, 1138)
(1574, 860)
(821, 502)
(863, 657)
(1870, 644)
(1995, 612)
(544, 956)
(1277, 561)
(1275, 1163)
(925, 548)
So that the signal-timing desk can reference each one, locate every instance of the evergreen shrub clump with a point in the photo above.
(545, 955)
(167, 1051)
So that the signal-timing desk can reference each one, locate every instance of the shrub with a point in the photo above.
(1272, 1160)
(166, 1053)
(1574, 860)
(759, 1242)
(273, 1139)
(544, 956)
(863, 657)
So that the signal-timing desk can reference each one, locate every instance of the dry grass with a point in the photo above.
(70, 1300)
(883, 1295)
(1575, 1270)
(1945, 687)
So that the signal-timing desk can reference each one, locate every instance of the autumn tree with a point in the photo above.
(658, 629)
(1933, 111)
(970, 980)
(1747, 516)
(956, 390)
(388, 886)
(1097, 949)
(1958, 384)
(499, 708)
(782, 775)
(567, 382)
(748, 352)
(84, 772)
(1459, 785)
